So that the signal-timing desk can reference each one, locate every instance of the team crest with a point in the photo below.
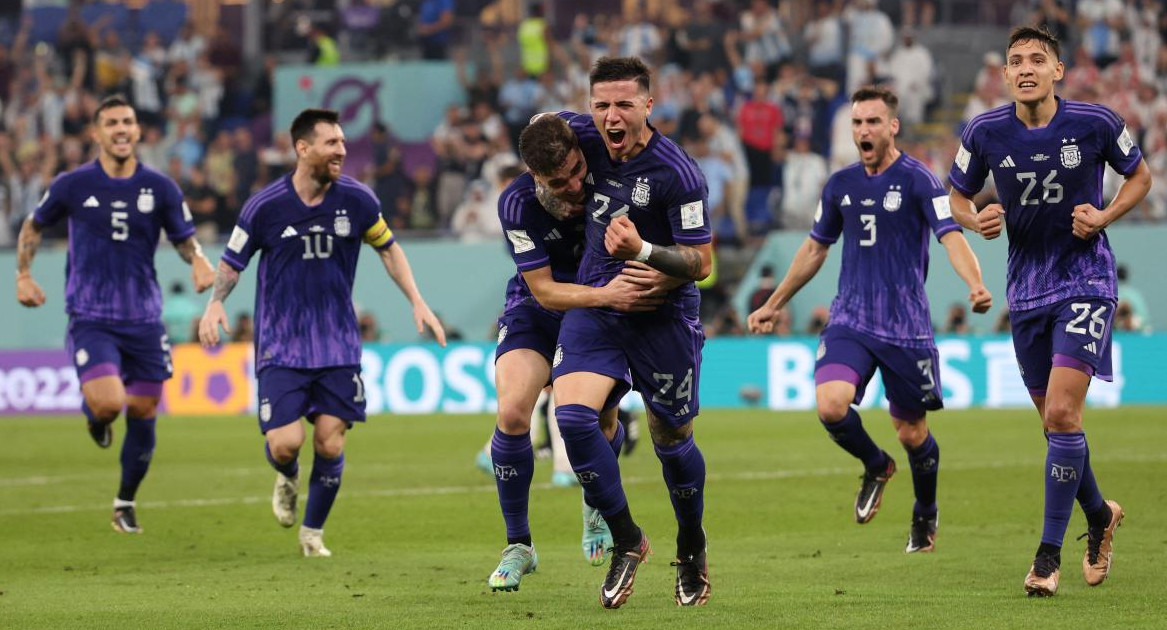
(146, 201)
(892, 200)
(341, 226)
(1071, 156)
(822, 351)
(502, 334)
(558, 356)
(640, 192)
(82, 356)
(265, 411)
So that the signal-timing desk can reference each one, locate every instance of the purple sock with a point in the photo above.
(1089, 496)
(137, 451)
(323, 485)
(514, 467)
(617, 440)
(850, 435)
(1064, 463)
(290, 469)
(684, 472)
(925, 462)
(591, 458)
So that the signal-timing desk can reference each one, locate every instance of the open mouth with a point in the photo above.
(1026, 85)
(866, 146)
(616, 137)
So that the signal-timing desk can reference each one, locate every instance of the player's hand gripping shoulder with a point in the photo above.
(638, 288)
(990, 221)
(1088, 221)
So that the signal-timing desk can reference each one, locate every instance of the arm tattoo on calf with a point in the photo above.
(676, 260)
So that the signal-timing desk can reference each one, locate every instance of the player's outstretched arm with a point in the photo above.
(215, 315)
(28, 292)
(806, 264)
(1089, 221)
(680, 261)
(626, 292)
(393, 257)
(964, 261)
(202, 275)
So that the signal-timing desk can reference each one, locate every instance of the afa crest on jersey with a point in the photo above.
(342, 227)
(146, 201)
(1071, 156)
(640, 192)
(892, 200)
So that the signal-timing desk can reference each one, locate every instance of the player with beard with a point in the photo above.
(309, 225)
(116, 207)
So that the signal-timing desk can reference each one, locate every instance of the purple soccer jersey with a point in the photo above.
(1040, 175)
(114, 225)
(304, 314)
(535, 239)
(663, 192)
(886, 220)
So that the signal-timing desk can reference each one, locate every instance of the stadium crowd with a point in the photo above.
(752, 89)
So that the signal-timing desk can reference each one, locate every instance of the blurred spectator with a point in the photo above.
(957, 321)
(824, 38)
(717, 178)
(872, 37)
(370, 329)
(765, 288)
(244, 329)
(1003, 324)
(1140, 316)
(322, 50)
(803, 177)
(187, 46)
(819, 317)
(764, 37)
(760, 124)
(180, 313)
(1099, 22)
(911, 69)
(476, 218)
(435, 25)
(276, 160)
(423, 212)
(203, 202)
(638, 37)
(534, 42)
(702, 41)
(246, 165)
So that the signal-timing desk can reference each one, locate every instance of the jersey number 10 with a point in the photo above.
(317, 247)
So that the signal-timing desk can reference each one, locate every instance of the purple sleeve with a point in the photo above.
(933, 201)
(689, 218)
(969, 169)
(1118, 145)
(245, 239)
(176, 217)
(828, 221)
(524, 243)
(52, 206)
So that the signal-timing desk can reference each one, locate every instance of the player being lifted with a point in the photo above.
(885, 205)
(116, 208)
(541, 214)
(309, 226)
(1047, 156)
(646, 202)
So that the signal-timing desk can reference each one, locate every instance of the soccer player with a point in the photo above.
(647, 201)
(116, 208)
(540, 212)
(1047, 156)
(309, 225)
(884, 205)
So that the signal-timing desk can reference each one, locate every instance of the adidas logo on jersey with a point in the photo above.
(1092, 347)
(91, 202)
(289, 232)
(553, 235)
(1007, 162)
(846, 201)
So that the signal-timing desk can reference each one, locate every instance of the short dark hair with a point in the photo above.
(545, 144)
(109, 102)
(304, 126)
(877, 93)
(620, 69)
(1039, 34)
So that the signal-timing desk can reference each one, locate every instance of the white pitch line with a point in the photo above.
(761, 475)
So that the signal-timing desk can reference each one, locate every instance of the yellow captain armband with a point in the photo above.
(379, 236)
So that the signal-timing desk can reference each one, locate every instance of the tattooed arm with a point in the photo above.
(28, 292)
(225, 280)
(201, 273)
(682, 261)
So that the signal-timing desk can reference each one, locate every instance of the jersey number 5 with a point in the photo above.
(121, 226)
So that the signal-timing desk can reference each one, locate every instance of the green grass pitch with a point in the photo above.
(417, 530)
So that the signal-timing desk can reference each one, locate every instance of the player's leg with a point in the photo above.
(841, 373)
(336, 401)
(666, 367)
(561, 474)
(596, 540)
(520, 375)
(98, 362)
(283, 400)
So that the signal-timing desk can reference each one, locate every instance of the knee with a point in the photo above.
(912, 434)
(833, 409)
(576, 421)
(667, 438)
(283, 449)
(329, 447)
(1062, 418)
(512, 420)
(105, 408)
(138, 408)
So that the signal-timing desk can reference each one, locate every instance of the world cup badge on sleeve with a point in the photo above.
(1071, 156)
(146, 200)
